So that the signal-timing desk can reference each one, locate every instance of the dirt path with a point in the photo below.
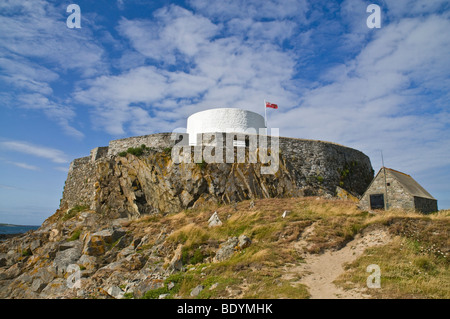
(319, 271)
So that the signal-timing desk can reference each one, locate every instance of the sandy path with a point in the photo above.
(319, 271)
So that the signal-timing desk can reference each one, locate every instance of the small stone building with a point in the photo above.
(394, 189)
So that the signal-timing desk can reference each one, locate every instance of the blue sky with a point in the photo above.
(139, 67)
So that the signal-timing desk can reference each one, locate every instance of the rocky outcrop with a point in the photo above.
(130, 186)
(89, 242)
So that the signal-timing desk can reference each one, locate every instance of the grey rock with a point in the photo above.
(116, 292)
(176, 264)
(65, 258)
(38, 285)
(46, 274)
(89, 263)
(214, 220)
(226, 250)
(3, 260)
(68, 244)
(35, 244)
(197, 290)
(244, 242)
(110, 235)
(54, 289)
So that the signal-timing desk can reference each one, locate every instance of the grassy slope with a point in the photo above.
(414, 264)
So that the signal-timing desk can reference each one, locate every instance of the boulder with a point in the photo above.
(226, 249)
(134, 261)
(37, 285)
(197, 290)
(88, 263)
(46, 274)
(116, 292)
(109, 236)
(3, 260)
(244, 242)
(214, 220)
(57, 288)
(66, 257)
(176, 264)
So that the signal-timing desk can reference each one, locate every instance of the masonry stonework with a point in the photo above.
(308, 168)
(398, 190)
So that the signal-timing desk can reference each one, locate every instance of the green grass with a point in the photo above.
(75, 235)
(414, 265)
(406, 272)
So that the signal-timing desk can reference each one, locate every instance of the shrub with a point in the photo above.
(154, 293)
(136, 151)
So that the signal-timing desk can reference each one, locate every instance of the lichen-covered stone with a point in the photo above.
(130, 186)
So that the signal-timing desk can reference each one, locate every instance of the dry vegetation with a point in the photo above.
(414, 265)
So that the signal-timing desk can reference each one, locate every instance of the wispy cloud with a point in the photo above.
(25, 166)
(36, 48)
(393, 96)
(52, 154)
(8, 187)
(216, 66)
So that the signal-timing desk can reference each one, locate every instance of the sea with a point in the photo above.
(15, 229)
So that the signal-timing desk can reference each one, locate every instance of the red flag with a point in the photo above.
(271, 105)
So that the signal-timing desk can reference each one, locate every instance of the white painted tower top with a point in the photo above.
(222, 120)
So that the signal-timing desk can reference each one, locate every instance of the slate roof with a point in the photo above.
(410, 185)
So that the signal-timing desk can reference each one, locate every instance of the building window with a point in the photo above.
(388, 184)
(376, 201)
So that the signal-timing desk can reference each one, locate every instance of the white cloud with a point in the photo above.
(174, 29)
(60, 113)
(36, 48)
(37, 29)
(381, 100)
(215, 67)
(254, 9)
(26, 75)
(52, 154)
(25, 166)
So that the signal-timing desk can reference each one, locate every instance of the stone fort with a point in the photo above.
(110, 179)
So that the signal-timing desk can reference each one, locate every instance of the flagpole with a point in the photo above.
(265, 113)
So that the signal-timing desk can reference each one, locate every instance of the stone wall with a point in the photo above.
(425, 205)
(397, 197)
(79, 185)
(327, 164)
(309, 168)
(160, 140)
(99, 152)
